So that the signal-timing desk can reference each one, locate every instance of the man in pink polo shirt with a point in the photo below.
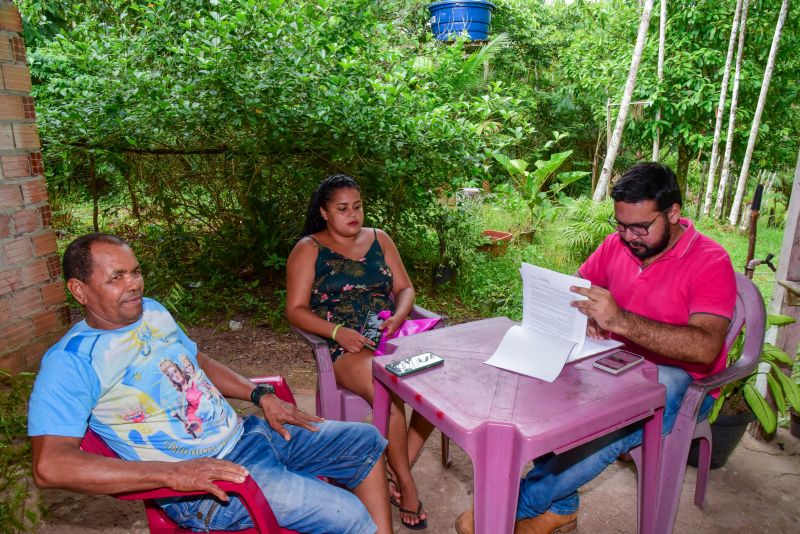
(669, 293)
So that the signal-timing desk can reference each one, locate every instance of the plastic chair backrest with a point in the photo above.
(248, 491)
(749, 314)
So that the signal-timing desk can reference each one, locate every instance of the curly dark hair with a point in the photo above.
(321, 197)
(77, 260)
(648, 181)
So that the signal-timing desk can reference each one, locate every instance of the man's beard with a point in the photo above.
(644, 251)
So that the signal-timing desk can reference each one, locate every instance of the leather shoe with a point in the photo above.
(547, 523)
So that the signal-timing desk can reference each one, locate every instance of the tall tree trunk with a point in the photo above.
(712, 171)
(611, 155)
(94, 193)
(726, 160)
(762, 99)
(127, 171)
(662, 30)
(684, 158)
(700, 190)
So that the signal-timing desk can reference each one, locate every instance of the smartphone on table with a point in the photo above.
(413, 364)
(370, 329)
(618, 361)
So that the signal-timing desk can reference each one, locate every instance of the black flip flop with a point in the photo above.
(423, 523)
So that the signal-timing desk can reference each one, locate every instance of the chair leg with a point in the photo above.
(703, 467)
(446, 461)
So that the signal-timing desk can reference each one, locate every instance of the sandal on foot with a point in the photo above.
(392, 499)
(421, 525)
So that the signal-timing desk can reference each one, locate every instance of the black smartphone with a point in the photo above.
(618, 361)
(413, 364)
(370, 329)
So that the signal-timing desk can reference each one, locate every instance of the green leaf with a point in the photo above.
(774, 319)
(761, 409)
(790, 388)
(777, 393)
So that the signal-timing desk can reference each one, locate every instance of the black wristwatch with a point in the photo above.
(260, 391)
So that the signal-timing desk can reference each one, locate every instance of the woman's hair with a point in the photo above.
(321, 197)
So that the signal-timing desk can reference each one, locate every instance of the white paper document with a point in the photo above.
(552, 332)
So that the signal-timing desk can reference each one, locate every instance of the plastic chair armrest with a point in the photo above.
(418, 312)
(282, 390)
(245, 488)
(313, 340)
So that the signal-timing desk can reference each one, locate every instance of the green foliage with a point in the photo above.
(784, 391)
(17, 511)
(583, 224)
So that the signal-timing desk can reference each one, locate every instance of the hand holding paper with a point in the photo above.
(553, 329)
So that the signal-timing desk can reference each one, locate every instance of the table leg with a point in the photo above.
(651, 468)
(496, 483)
(380, 407)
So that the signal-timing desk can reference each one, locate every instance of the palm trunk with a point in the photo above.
(726, 160)
(611, 155)
(662, 30)
(762, 99)
(712, 171)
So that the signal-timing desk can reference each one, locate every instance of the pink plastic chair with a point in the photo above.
(675, 449)
(248, 491)
(339, 403)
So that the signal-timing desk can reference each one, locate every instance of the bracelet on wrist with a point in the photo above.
(335, 329)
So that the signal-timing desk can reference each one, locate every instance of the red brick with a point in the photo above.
(17, 78)
(26, 136)
(34, 353)
(18, 46)
(6, 309)
(45, 322)
(6, 52)
(53, 293)
(46, 213)
(26, 221)
(5, 226)
(28, 107)
(17, 250)
(9, 18)
(15, 335)
(6, 137)
(34, 190)
(27, 302)
(35, 161)
(10, 280)
(13, 362)
(10, 196)
(11, 107)
(35, 272)
(44, 243)
(53, 266)
(15, 166)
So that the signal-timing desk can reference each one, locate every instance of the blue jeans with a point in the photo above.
(553, 482)
(286, 471)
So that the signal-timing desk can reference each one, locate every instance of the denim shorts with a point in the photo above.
(287, 472)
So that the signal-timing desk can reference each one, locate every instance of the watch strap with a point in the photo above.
(259, 391)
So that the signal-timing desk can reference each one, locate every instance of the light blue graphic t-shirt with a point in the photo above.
(139, 387)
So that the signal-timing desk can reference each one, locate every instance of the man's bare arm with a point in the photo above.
(699, 341)
(233, 385)
(58, 462)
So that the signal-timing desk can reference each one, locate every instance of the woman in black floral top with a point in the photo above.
(336, 274)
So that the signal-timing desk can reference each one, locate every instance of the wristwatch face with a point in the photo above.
(260, 391)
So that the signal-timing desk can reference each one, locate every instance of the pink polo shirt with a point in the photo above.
(694, 276)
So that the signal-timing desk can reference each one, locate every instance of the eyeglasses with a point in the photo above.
(637, 229)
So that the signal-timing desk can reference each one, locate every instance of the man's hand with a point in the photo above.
(593, 330)
(599, 306)
(391, 324)
(277, 412)
(351, 340)
(200, 474)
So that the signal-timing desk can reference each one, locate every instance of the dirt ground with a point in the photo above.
(757, 491)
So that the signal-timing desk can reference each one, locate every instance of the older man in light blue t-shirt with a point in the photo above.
(130, 373)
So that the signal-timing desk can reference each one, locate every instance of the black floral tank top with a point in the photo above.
(345, 290)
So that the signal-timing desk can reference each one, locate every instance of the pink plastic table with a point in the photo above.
(502, 420)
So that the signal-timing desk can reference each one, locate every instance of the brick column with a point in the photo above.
(33, 313)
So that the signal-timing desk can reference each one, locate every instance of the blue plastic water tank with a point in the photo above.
(449, 19)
